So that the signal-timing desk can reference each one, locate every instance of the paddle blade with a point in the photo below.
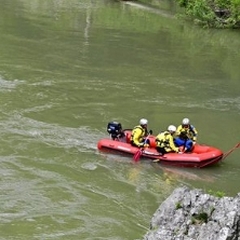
(137, 156)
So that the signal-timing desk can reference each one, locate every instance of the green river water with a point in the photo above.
(67, 68)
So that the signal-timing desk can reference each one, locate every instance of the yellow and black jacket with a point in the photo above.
(165, 141)
(138, 135)
(186, 133)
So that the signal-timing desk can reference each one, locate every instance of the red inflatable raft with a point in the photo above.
(201, 156)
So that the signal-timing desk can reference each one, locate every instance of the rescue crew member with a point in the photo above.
(186, 135)
(165, 141)
(139, 134)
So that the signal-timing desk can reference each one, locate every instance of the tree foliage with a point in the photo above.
(213, 13)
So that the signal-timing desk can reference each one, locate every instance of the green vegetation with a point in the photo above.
(178, 205)
(200, 218)
(216, 193)
(213, 14)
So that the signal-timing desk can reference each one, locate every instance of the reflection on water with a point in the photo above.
(172, 174)
(149, 9)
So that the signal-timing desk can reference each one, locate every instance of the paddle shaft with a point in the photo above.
(138, 154)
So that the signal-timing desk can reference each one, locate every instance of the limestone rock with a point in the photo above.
(194, 215)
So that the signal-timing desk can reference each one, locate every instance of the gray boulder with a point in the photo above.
(194, 215)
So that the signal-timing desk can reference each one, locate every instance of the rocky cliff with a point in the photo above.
(194, 215)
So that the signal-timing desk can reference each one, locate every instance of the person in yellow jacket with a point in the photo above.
(186, 135)
(139, 134)
(165, 141)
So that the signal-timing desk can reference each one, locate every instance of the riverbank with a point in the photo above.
(210, 14)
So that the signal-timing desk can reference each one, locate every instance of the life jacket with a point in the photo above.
(143, 133)
(187, 133)
(162, 139)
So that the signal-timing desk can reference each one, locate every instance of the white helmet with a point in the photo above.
(185, 121)
(143, 121)
(172, 128)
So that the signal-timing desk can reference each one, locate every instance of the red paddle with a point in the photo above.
(137, 155)
(231, 150)
(139, 152)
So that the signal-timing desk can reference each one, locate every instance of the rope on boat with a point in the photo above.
(230, 151)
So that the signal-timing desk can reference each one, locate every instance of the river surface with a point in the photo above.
(67, 68)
